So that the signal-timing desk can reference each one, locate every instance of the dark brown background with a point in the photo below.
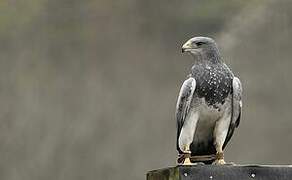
(88, 88)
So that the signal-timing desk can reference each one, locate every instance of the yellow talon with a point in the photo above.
(187, 162)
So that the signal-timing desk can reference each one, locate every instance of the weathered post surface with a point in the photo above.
(223, 172)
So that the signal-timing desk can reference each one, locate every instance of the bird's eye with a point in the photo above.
(199, 43)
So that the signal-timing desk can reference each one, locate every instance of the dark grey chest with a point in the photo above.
(213, 82)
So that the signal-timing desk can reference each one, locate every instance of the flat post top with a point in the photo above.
(223, 172)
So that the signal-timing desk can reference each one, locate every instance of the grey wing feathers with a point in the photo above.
(237, 102)
(236, 108)
(184, 102)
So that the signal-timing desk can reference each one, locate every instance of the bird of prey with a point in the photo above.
(208, 107)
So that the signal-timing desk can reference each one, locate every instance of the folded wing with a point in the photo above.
(236, 108)
(183, 104)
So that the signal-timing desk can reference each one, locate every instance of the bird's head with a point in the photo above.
(201, 47)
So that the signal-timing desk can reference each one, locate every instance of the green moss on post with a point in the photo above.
(171, 173)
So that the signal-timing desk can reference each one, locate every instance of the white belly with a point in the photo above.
(198, 128)
(205, 125)
(204, 135)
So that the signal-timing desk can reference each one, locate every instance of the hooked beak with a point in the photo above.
(187, 47)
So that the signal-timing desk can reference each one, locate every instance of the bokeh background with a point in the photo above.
(88, 88)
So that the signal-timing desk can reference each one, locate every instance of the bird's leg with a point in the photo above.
(219, 155)
(187, 134)
(187, 153)
(220, 133)
(219, 158)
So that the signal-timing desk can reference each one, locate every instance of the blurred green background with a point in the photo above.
(88, 88)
